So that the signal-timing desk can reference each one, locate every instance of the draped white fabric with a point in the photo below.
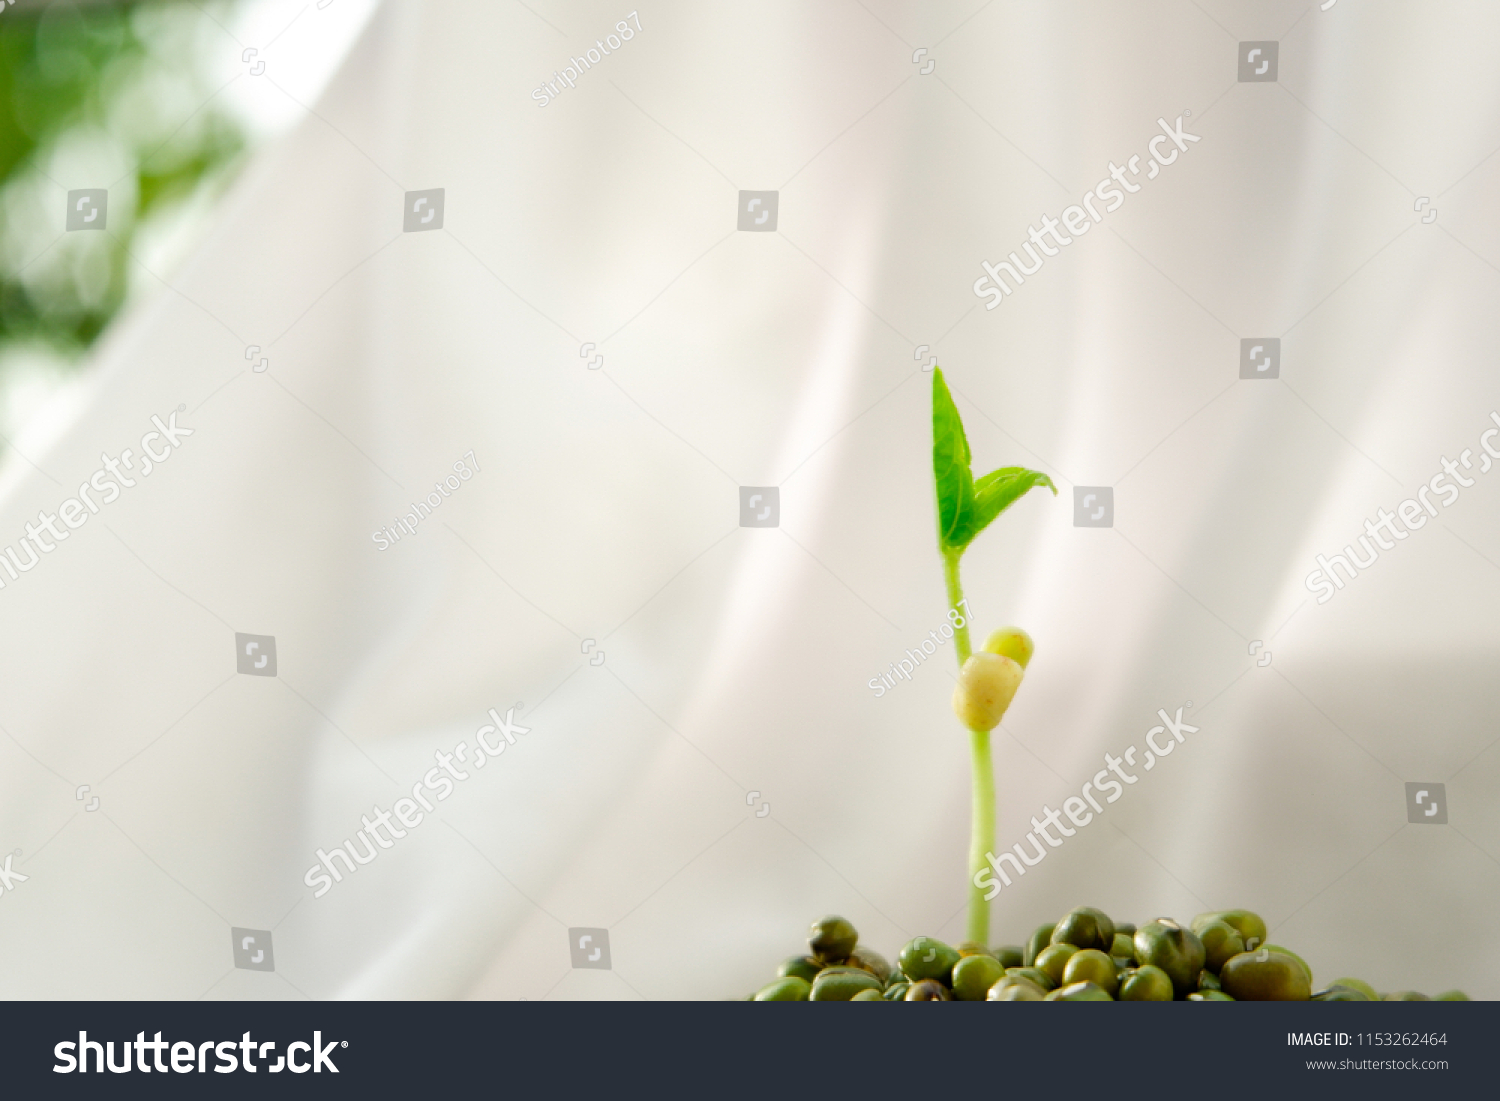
(737, 661)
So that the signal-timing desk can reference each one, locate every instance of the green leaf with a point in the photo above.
(950, 467)
(966, 507)
(999, 489)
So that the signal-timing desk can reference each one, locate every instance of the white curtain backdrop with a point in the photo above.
(604, 517)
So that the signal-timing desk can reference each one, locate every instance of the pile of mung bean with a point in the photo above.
(1222, 956)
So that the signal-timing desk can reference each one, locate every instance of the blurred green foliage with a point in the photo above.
(109, 95)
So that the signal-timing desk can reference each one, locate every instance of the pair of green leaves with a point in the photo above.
(966, 507)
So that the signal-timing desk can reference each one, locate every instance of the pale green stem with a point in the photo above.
(981, 835)
(955, 594)
(982, 811)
